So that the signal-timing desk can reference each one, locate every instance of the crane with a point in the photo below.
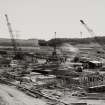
(88, 29)
(17, 54)
(91, 32)
(11, 34)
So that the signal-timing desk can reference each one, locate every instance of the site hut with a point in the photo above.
(94, 64)
(91, 64)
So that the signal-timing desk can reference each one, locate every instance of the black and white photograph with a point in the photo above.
(52, 52)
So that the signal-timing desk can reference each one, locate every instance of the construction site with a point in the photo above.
(58, 75)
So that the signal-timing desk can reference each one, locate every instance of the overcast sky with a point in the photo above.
(41, 18)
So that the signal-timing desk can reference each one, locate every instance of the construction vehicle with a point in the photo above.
(17, 54)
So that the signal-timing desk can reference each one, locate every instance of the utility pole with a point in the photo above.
(81, 34)
(91, 32)
(54, 52)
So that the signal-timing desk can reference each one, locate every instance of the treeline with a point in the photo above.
(19, 42)
(73, 41)
(52, 42)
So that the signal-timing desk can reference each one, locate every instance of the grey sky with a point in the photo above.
(41, 18)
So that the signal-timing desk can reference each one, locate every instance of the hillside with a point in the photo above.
(58, 41)
(75, 41)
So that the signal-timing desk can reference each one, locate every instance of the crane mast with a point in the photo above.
(11, 35)
(54, 52)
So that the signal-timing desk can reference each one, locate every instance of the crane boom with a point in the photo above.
(87, 28)
(92, 34)
(11, 35)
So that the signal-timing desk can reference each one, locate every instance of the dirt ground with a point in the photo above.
(12, 96)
